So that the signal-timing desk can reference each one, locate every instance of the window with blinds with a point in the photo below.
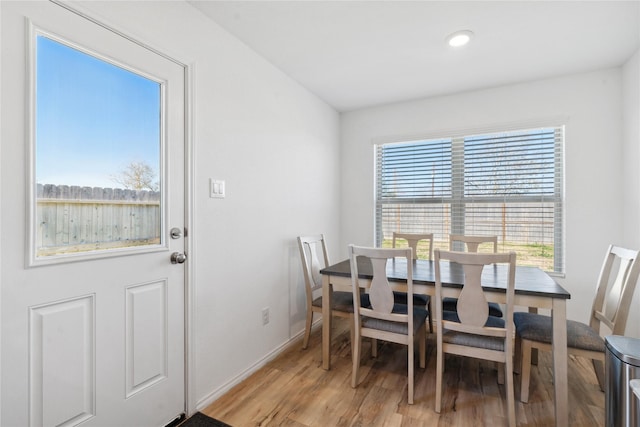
(507, 184)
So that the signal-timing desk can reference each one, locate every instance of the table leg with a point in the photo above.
(326, 322)
(560, 375)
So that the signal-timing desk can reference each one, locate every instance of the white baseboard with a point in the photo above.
(223, 389)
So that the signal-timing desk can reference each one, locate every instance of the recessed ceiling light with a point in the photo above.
(459, 38)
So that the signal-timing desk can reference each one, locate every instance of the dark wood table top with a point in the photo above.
(529, 280)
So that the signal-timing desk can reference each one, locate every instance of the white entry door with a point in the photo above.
(92, 224)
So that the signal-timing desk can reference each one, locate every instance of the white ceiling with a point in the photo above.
(356, 54)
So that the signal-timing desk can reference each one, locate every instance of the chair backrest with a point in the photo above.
(473, 310)
(380, 291)
(472, 242)
(412, 240)
(616, 284)
(312, 261)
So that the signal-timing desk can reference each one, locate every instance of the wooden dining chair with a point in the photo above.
(413, 239)
(609, 313)
(471, 331)
(314, 256)
(472, 243)
(383, 319)
(458, 242)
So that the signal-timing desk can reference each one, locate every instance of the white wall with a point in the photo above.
(592, 106)
(631, 168)
(276, 145)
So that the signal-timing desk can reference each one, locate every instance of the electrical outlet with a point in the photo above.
(265, 315)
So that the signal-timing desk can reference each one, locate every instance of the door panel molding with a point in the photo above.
(146, 335)
(62, 362)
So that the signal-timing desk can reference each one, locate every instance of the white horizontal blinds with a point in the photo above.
(507, 184)
(413, 189)
(512, 190)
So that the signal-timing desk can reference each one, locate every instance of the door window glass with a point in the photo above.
(97, 154)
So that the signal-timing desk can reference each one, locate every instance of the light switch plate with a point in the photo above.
(216, 188)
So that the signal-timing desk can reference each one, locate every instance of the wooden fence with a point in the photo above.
(75, 219)
(518, 223)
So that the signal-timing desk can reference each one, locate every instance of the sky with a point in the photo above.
(92, 118)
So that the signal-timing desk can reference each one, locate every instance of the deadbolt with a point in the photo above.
(175, 233)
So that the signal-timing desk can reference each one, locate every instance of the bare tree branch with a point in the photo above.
(137, 176)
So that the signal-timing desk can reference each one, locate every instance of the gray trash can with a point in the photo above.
(622, 364)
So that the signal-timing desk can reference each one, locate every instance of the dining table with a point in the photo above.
(534, 289)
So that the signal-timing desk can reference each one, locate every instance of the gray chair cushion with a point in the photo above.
(472, 340)
(451, 304)
(418, 299)
(419, 318)
(492, 321)
(343, 301)
(538, 327)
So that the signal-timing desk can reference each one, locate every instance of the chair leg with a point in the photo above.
(517, 356)
(500, 367)
(598, 366)
(374, 347)
(429, 308)
(307, 330)
(356, 348)
(410, 351)
(422, 347)
(534, 356)
(352, 332)
(439, 373)
(511, 405)
(525, 371)
(534, 351)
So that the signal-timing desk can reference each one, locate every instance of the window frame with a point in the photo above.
(457, 199)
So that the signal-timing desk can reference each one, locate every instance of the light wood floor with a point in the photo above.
(294, 390)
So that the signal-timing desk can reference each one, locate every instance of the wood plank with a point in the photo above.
(294, 390)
